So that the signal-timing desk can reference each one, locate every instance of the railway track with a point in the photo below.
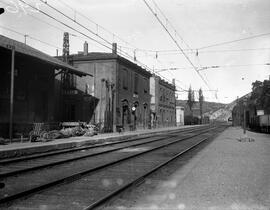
(15, 166)
(83, 181)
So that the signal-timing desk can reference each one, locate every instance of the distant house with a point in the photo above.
(209, 109)
(180, 113)
(121, 87)
(34, 98)
(162, 103)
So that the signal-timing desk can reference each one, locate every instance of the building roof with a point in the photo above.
(95, 56)
(108, 56)
(24, 49)
(165, 83)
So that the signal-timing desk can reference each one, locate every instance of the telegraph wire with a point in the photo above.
(92, 32)
(145, 66)
(33, 38)
(43, 21)
(236, 40)
(180, 38)
(89, 29)
(70, 27)
(56, 27)
(195, 68)
(168, 21)
(61, 22)
(175, 52)
(212, 67)
(176, 33)
(12, 30)
(30, 37)
(95, 23)
(81, 26)
(232, 66)
(199, 63)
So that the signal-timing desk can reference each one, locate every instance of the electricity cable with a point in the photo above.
(162, 24)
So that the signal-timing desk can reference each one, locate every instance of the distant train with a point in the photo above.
(260, 123)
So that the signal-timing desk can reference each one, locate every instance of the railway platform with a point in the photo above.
(28, 148)
(231, 173)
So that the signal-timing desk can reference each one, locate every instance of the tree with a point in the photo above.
(191, 99)
(265, 97)
(201, 99)
(260, 96)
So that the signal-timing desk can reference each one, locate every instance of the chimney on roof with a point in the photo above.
(173, 82)
(85, 48)
(114, 48)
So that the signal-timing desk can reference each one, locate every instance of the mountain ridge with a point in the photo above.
(213, 110)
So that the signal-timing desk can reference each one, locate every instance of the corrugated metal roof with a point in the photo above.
(22, 48)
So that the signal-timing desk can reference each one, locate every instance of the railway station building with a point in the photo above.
(29, 89)
(121, 87)
(163, 107)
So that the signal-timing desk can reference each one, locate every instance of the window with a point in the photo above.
(161, 94)
(145, 90)
(125, 79)
(136, 83)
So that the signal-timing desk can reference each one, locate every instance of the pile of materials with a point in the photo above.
(69, 129)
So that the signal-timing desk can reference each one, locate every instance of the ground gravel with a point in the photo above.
(228, 173)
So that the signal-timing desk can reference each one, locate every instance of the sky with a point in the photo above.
(195, 25)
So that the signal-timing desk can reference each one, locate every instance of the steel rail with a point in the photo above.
(128, 139)
(50, 164)
(141, 178)
(75, 176)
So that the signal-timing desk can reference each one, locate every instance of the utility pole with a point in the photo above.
(11, 92)
(64, 76)
(201, 98)
(112, 113)
(244, 123)
(66, 47)
(25, 37)
(101, 102)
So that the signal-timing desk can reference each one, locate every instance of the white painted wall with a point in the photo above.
(179, 115)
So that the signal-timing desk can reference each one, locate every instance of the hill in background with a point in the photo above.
(215, 111)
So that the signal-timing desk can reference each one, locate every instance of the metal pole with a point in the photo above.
(101, 102)
(112, 92)
(11, 93)
(25, 36)
(244, 125)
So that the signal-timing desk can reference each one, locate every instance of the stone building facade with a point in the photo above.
(121, 87)
(163, 111)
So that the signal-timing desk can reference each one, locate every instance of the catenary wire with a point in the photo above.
(98, 25)
(236, 40)
(61, 22)
(30, 37)
(194, 67)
